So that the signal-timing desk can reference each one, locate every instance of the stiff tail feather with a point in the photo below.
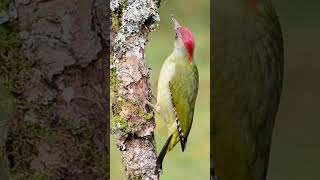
(163, 154)
(183, 140)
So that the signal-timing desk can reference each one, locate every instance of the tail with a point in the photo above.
(183, 140)
(163, 154)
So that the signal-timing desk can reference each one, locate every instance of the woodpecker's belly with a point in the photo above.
(164, 95)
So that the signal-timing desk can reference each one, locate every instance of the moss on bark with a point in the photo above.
(39, 144)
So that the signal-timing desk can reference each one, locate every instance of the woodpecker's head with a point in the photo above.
(261, 7)
(184, 41)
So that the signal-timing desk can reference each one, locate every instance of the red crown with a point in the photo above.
(253, 4)
(188, 41)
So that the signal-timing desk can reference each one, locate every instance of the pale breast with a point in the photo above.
(164, 95)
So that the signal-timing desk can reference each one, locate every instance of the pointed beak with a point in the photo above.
(175, 22)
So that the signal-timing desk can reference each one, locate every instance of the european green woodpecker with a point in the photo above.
(177, 90)
(247, 83)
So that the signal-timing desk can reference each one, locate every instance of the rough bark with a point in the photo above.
(54, 65)
(132, 122)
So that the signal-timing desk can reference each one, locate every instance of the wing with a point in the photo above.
(184, 88)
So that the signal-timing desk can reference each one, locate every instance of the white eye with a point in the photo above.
(176, 36)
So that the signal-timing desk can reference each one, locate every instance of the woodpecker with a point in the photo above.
(246, 87)
(177, 90)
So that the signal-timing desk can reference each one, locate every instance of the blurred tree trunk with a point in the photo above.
(132, 122)
(4, 117)
(53, 61)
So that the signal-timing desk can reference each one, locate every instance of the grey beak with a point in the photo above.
(175, 22)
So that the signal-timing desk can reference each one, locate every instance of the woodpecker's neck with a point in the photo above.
(181, 52)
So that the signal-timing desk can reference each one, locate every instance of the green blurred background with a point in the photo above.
(194, 163)
(295, 153)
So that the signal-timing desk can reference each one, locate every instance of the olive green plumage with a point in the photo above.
(176, 97)
(183, 86)
(247, 83)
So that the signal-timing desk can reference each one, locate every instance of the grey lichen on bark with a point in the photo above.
(132, 122)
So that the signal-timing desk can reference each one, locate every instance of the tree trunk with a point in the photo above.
(53, 61)
(132, 122)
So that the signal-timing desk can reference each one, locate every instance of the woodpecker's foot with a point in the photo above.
(156, 108)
